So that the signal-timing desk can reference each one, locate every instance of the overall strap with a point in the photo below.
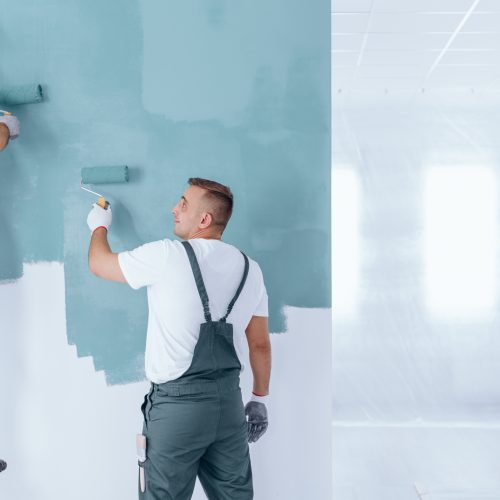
(199, 279)
(237, 294)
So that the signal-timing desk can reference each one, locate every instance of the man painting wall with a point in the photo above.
(194, 420)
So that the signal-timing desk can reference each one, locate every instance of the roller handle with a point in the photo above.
(103, 203)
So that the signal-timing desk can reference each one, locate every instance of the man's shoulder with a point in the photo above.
(151, 248)
(253, 266)
(211, 244)
(164, 242)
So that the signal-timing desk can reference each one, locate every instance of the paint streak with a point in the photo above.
(235, 92)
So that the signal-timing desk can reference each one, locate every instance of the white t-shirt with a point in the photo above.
(175, 308)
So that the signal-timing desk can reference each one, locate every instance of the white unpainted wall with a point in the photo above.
(65, 434)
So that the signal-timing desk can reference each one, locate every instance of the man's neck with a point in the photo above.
(201, 234)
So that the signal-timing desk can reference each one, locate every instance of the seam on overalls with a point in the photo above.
(214, 359)
(219, 413)
(150, 397)
(144, 406)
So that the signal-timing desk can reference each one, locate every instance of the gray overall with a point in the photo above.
(196, 425)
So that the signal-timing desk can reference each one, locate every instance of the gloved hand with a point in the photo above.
(12, 124)
(99, 217)
(256, 420)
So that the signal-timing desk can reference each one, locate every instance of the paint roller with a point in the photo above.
(103, 175)
(21, 94)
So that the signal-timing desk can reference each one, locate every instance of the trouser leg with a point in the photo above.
(225, 470)
(178, 431)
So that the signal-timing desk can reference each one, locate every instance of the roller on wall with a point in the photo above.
(103, 175)
(21, 94)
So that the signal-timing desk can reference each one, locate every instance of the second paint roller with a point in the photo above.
(103, 175)
(21, 94)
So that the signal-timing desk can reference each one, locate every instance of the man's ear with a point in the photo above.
(206, 220)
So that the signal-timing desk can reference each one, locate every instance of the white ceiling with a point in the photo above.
(415, 44)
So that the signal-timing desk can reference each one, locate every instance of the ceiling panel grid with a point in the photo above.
(415, 44)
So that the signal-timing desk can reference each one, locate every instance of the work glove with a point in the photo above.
(12, 124)
(98, 216)
(256, 414)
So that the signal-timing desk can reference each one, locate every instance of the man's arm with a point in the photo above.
(259, 345)
(4, 136)
(102, 261)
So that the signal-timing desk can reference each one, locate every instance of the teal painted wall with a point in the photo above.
(238, 92)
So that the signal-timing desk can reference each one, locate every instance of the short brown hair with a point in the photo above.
(219, 197)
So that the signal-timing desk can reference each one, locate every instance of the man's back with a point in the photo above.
(175, 309)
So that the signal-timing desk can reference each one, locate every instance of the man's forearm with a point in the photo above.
(260, 361)
(99, 246)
